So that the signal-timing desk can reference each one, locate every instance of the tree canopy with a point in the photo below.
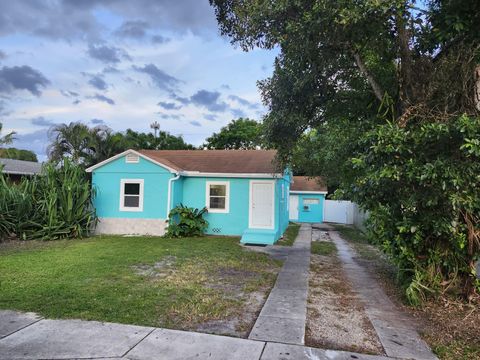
(241, 133)
(87, 146)
(382, 98)
(18, 154)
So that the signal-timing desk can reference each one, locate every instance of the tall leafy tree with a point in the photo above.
(87, 146)
(161, 141)
(241, 133)
(18, 154)
(7, 138)
(73, 140)
(380, 81)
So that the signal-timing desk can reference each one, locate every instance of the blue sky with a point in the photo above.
(123, 64)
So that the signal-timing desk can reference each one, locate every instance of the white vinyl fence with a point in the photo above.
(344, 212)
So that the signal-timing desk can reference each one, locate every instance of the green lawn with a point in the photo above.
(290, 235)
(112, 278)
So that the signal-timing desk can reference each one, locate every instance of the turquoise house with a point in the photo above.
(244, 193)
(307, 199)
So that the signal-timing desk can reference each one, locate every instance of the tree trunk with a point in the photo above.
(477, 88)
(377, 90)
(405, 72)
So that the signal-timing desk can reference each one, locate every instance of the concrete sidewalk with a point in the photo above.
(284, 314)
(27, 336)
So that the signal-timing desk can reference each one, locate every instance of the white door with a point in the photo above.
(293, 208)
(262, 204)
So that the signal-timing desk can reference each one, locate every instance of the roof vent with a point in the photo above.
(132, 158)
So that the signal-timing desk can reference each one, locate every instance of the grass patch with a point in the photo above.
(457, 350)
(151, 281)
(359, 241)
(290, 235)
(323, 248)
(351, 233)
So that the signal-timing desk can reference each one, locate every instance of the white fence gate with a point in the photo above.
(338, 211)
(343, 212)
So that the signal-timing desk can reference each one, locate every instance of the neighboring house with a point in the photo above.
(242, 190)
(16, 169)
(307, 199)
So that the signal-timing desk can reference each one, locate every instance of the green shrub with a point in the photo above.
(186, 222)
(421, 186)
(56, 204)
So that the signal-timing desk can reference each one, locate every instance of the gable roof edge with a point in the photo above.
(115, 157)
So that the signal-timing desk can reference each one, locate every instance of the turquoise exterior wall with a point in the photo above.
(312, 212)
(177, 192)
(283, 202)
(106, 181)
(189, 191)
(232, 223)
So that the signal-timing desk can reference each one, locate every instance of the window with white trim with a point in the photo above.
(218, 196)
(131, 195)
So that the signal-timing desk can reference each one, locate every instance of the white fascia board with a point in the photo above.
(307, 192)
(228, 175)
(130, 151)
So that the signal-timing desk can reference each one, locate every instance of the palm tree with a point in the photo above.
(106, 143)
(156, 127)
(8, 138)
(73, 140)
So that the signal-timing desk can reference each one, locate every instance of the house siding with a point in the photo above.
(313, 212)
(106, 182)
(232, 223)
(189, 191)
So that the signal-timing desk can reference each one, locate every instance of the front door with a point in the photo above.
(293, 208)
(262, 195)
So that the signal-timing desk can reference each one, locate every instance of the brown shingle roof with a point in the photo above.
(305, 183)
(217, 161)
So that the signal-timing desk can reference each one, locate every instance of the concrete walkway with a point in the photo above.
(394, 328)
(27, 336)
(284, 314)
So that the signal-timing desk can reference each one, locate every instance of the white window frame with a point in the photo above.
(122, 195)
(227, 197)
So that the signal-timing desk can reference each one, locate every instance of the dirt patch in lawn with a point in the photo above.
(159, 269)
(335, 316)
(245, 286)
(241, 324)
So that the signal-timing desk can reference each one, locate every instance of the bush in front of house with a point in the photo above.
(184, 221)
(54, 205)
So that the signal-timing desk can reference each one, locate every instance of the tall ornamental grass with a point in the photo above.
(55, 205)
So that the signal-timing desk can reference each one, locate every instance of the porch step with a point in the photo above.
(259, 236)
